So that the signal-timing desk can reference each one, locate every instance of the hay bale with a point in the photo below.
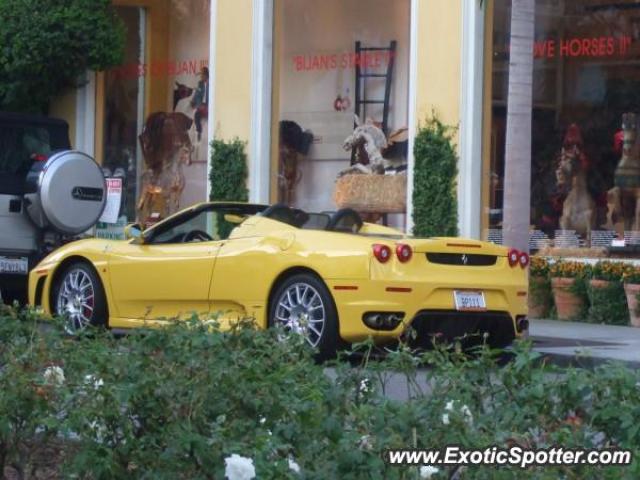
(372, 193)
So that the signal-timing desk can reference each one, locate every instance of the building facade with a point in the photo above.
(288, 76)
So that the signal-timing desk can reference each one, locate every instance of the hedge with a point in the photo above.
(189, 401)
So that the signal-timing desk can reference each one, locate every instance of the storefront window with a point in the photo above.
(585, 165)
(154, 142)
(342, 99)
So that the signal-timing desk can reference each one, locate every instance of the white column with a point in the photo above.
(470, 165)
(211, 121)
(261, 68)
(413, 120)
(86, 115)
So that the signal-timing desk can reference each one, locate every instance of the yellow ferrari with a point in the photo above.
(330, 277)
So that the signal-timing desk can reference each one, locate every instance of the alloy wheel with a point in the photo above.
(76, 300)
(300, 310)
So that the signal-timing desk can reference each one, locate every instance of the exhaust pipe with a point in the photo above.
(382, 320)
(522, 324)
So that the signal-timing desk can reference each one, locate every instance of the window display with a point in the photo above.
(341, 104)
(585, 159)
(156, 112)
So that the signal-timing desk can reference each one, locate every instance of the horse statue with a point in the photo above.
(579, 208)
(368, 140)
(166, 147)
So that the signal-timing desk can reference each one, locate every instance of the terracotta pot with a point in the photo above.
(568, 304)
(538, 308)
(599, 283)
(632, 290)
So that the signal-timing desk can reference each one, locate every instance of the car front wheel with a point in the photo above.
(302, 304)
(79, 298)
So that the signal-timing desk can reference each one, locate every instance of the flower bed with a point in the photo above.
(599, 293)
(191, 402)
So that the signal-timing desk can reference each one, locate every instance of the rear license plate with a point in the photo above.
(470, 301)
(18, 266)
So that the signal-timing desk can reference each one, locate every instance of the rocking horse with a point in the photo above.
(579, 208)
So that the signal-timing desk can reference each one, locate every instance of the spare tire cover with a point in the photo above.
(72, 191)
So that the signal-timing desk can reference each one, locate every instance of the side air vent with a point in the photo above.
(462, 259)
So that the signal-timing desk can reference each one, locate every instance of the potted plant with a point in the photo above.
(605, 272)
(568, 285)
(539, 299)
(631, 279)
(608, 303)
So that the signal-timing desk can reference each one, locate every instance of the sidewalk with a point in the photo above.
(586, 344)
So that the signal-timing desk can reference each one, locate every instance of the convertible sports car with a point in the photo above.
(332, 277)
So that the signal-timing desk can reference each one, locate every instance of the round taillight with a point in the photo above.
(381, 252)
(514, 257)
(404, 252)
(523, 259)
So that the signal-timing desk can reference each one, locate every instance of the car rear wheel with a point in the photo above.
(78, 296)
(302, 304)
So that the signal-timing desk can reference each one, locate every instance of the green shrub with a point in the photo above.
(178, 402)
(608, 304)
(435, 203)
(229, 171)
(228, 177)
(47, 45)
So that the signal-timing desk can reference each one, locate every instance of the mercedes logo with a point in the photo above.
(464, 259)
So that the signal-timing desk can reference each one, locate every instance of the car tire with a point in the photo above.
(79, 296)
(302, 303)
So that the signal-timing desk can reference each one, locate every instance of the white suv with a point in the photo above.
(48, 195)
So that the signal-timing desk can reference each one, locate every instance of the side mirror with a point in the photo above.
(134, 231)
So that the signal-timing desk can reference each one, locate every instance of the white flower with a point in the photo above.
(365, 442)
(468, 417)
(427, 471)
(91, 380)
(365, 386)
(54, 375)
(99, 430)
(445, 418)
(237, 467)
(293, 466)
(262, 420)
(449, 406)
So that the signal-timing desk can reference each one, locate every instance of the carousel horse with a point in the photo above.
(623, 200)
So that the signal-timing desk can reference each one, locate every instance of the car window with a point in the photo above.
(18, 144)
(212, 223)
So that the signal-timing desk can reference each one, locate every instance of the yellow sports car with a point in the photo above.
(329, 277)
